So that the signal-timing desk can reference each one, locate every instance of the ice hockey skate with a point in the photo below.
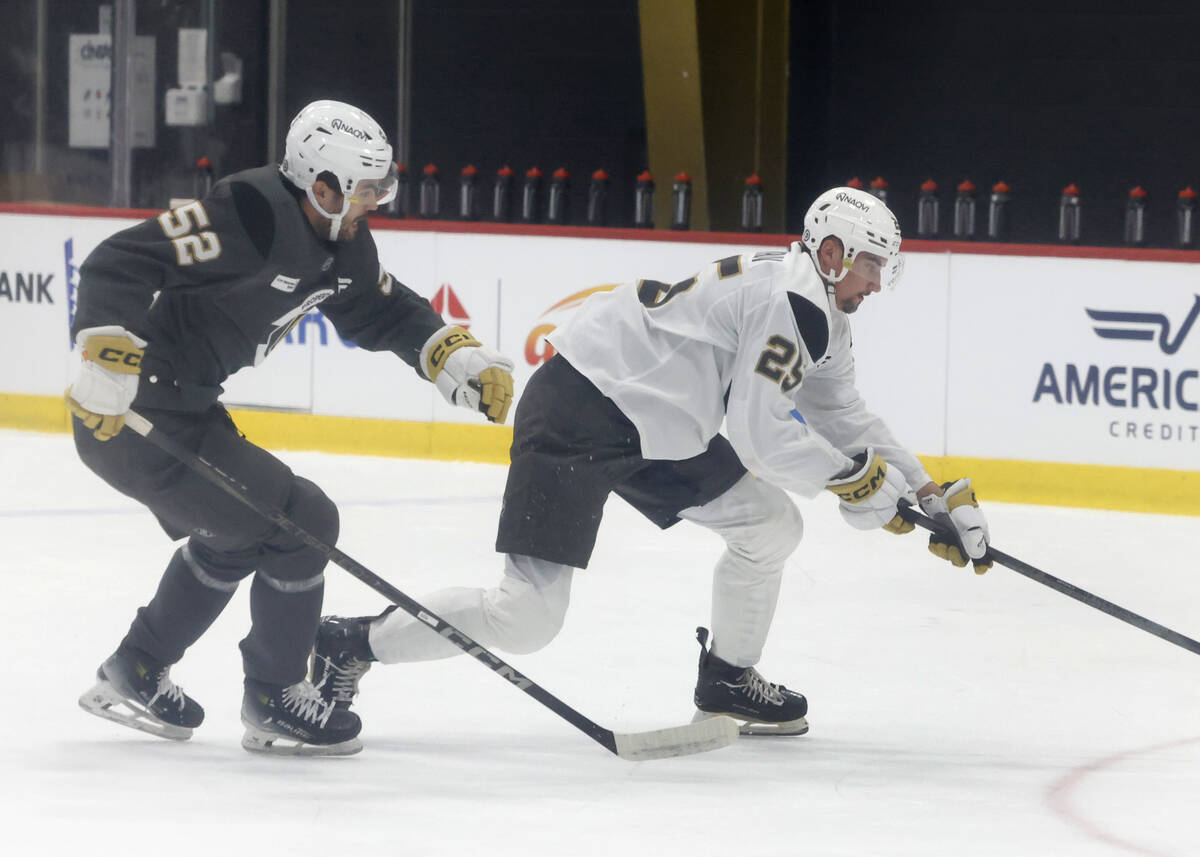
(760, 707)
(341, 657)
(136, 690)
(296, 721)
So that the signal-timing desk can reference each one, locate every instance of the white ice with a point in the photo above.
(950, 714)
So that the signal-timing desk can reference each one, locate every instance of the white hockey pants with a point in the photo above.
(759, 523)
(520, 615)
(761, 527)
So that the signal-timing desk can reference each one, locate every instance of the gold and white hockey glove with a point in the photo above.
(468, 373)
(108, 378)
(870, 493)
(966, 530)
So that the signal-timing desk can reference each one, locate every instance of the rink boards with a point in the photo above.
(1052, 375)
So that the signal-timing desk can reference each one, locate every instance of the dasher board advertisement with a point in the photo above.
(1084, 361)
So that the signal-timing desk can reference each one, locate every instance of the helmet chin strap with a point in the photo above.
(335, 220)
(831, 282)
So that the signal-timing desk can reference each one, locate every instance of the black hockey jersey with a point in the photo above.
(215, 284)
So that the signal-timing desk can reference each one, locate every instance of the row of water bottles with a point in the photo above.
(1070, 217)
(966, 226)
(539, 201)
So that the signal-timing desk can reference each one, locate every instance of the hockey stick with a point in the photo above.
(911, 515)
(698, 737)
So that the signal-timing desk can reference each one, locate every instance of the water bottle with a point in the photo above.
(558, 207)
(1185, 218)
(752, 204)
(927, 210)
(879, 188)
(855, 182)
(530, 191)
(681, 202)
(964, 211)
(1135, 217)
(1069, 220)
(643, 201)
(430, 203)
(203, 179)
(997, 228)
(597, 200)
(502, 195)
(400, 205)
(468, 194)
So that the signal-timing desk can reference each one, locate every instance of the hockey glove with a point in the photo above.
(870, 493)
(108, 378)
(469, 374)
(965, 530)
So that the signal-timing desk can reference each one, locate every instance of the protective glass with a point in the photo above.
(378, 191)
(884, 273)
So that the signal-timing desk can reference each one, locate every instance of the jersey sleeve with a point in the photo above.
(203, 245)
(831, 404)
(378, 312)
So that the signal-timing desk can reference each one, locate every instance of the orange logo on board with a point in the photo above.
(537, 349)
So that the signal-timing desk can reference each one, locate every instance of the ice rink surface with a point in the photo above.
(950, 714)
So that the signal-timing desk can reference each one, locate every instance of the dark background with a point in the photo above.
(1040, 94)
(1103, 94)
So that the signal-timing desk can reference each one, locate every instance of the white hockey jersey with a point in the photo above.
(751, 340)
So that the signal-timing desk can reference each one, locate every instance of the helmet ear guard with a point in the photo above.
(862, 223)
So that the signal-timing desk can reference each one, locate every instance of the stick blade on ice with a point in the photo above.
(711, 734)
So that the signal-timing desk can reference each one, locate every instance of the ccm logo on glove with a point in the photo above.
(120, 358)
(869, 494)
(865, 484)
(108, 378)
(467, 373)
(457, 337)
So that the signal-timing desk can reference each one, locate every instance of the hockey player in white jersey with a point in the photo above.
(633, 404)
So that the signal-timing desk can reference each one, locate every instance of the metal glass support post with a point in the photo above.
(276, 56)
(120, 149)
(403, 81)
(39, 101)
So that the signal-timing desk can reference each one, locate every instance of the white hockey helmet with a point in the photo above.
(863, 223)
(330, 136)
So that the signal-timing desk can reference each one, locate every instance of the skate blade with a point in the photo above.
(271, 743)
(799, 726)
(103, 700)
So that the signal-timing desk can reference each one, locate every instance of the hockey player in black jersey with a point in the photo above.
(167, 310)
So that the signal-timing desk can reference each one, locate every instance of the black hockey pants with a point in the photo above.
(226, 541)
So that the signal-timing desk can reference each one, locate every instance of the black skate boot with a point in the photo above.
(136, 690)
(341, 657)
(295, 721)
(760, 707)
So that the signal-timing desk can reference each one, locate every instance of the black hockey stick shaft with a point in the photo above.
(911, 515)
(236, 489)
